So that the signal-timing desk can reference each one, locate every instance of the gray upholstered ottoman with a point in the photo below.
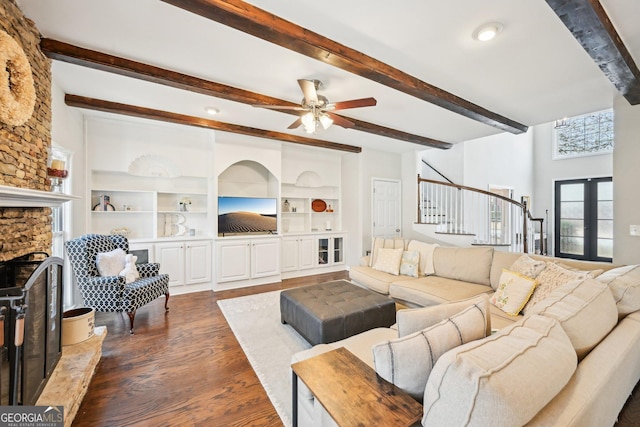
(332, 311)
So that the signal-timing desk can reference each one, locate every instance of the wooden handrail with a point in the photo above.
(526, 214)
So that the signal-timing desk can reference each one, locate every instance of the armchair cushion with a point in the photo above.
(110, 263)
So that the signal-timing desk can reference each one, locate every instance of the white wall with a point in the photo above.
(626, 177)
(375, 164)
(502, 160)
(352, 206)
(67, 132)
(547, 171)
(449, 163)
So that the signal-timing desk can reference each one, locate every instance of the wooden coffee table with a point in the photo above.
(352, 393)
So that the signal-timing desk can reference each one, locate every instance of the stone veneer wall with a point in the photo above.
(24, 149)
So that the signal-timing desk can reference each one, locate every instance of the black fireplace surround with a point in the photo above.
(30, 325)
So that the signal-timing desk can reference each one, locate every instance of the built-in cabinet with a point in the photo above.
(310, 209)
(241, 259)
(186, 262)
(305, 254)
(146, 207)
(298, 253)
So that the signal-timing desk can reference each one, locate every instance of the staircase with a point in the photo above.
(459, 214)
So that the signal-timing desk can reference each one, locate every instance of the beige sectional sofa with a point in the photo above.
(572, 359)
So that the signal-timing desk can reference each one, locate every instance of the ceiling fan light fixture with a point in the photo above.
(487, 32)
(325, 121)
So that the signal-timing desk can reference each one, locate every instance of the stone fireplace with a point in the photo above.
(24, 149)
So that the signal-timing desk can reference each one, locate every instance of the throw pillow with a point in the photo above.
(409, 263)
(130, 271)
(624, 284)
(407, 361)
(425, 268)
(550, 278)
(388, 260)
(528, 266)
(110, 263)
(585, 309)
(411, 320)
(590, 273)
(502, 380)
(514, 290)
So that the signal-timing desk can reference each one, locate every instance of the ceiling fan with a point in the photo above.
(318, 112)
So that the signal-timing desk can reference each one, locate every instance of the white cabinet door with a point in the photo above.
(171, 259)
(198, 262)
(234, 260)
(306, 252)
(265, 257)
(290, 253)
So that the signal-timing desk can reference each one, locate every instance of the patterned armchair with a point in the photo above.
(111, 293)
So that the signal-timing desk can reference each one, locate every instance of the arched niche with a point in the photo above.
(247, 178)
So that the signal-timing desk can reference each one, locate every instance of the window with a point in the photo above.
(584, 135)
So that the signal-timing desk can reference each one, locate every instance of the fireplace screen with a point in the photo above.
(31, 321)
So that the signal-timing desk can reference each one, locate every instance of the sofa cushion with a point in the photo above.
(380, 242)
(388, 260)
(431, 290)
(500, 319)
(552, 277)
(502, 380)
(528, 266)
(514, 291)
(466, 264)
(624, 283)
(426, 256)
(585, 309)
(416, 319)
(500, 261)
(375, 280)
(407, 361)
(409, 263)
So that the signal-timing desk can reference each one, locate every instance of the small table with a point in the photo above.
(352, 393)
(331, 311)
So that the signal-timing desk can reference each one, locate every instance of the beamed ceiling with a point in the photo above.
(434, 85)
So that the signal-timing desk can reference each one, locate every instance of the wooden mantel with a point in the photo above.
(14, 197)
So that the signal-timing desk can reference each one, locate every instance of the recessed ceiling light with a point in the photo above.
(212, 111)
(487, 32)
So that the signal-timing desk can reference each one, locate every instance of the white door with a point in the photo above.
(307, 254)
(386, 210)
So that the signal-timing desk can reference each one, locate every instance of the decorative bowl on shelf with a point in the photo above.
(318, 205)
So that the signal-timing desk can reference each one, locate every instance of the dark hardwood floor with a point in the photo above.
(180, 368)
(185, 368)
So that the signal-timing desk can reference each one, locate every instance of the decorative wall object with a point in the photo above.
(154, 165)
(17, 91)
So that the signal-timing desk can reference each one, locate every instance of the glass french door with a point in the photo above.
(584, 219)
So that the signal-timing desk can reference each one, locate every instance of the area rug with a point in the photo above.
(268, 344)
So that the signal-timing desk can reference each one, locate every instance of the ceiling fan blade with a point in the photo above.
(295, 124)
(339, 120)
(354, 103)
(279, 107)
(309, 90)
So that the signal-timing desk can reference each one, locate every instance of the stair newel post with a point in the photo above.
(525, 234)
(419, 200)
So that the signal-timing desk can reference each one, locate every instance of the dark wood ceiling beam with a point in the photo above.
(267, 26)
(181, 119)
(588, 22)
(65, 52)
